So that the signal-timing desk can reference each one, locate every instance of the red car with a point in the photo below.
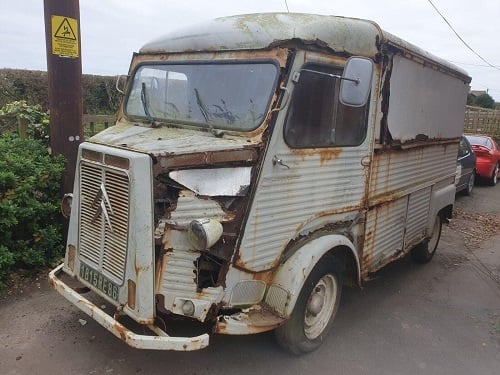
(487, 157)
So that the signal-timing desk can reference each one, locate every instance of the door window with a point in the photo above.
(316, 118)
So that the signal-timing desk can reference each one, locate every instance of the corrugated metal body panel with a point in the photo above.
(258, 31)
(190, 207)
(417, 217)
(288, 198)
(385, 227)
(180, 274)
(104, 224)
(403, 171)
(178, 279)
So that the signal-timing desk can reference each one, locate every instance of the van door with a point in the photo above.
(316, 167)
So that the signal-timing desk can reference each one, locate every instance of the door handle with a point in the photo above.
(278, 161)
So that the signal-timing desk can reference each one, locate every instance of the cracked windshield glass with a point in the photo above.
(231, 96)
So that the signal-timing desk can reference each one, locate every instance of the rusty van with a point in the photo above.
(259, 163)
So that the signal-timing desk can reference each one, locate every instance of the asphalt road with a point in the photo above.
(440, 318)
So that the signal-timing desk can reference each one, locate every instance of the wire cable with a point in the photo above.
(469, 64)
(286, 4)
(459, 37)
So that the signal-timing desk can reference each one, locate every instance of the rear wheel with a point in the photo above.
(494, 177)
(314, 310)
(424, 252)
(470, 184)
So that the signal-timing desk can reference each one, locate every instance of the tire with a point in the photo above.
(314, 310)
(492, 181)
(470, 184)
(424, 252)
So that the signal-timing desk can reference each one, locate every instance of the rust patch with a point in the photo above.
(122, 331)
(245, 156)
(71, 256)
(325, 154)
(265, 276)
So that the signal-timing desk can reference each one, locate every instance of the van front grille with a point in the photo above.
(104, 217)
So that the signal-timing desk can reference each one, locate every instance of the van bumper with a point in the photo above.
(159, 342)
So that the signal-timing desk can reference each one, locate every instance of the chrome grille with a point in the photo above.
(104, 217)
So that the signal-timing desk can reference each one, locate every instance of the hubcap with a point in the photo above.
(320, 306)
(471, 183)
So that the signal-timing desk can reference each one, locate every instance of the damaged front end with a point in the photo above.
(155, 237)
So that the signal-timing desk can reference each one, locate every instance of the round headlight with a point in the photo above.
(204, 233)
(188, 308)
(66, 205)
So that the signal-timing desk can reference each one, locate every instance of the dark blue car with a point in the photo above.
(466, 168)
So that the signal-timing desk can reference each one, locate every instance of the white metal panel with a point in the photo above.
(417, 216)
(190, 207)
(256, 31)
(113, 253)
(165, 140)
(424, 101)
(178, 280)
(385, 225)
(216, 181)
(310, 183)
(288, 198)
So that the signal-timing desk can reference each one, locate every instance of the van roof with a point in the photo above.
(349, 36)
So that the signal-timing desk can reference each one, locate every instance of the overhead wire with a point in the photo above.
(286, 4)
(461, 39)
(469, 64)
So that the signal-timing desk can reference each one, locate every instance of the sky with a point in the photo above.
(111, 30)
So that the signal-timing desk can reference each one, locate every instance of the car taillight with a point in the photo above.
(482, 151)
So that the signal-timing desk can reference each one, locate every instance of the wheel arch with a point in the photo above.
(441, 204)
(292, 274)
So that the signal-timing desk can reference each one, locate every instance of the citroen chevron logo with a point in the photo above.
(103, 205)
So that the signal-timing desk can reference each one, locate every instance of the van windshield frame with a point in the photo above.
(231, 95)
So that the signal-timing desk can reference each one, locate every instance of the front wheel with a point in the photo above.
(424, 252)
(314, 310)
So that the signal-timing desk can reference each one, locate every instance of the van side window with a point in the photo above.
(316, 118)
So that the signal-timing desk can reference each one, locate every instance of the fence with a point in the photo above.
(482, 121)
(93, 124)
(477, 120)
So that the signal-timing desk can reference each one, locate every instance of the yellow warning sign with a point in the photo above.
(65, 36)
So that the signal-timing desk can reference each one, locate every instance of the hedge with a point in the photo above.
(30, 183)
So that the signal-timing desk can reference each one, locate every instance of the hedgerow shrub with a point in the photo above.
(37, 119)
(30, 181)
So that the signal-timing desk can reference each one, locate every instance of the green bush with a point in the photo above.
(37, 119)
(30, 180)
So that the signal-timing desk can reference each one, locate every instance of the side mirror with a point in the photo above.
(356, 82)
(121, 82)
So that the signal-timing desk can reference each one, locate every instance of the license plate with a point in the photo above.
(98, 281)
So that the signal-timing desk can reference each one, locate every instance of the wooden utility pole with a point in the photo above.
(64, 68)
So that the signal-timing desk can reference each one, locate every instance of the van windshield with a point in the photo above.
(224, 95)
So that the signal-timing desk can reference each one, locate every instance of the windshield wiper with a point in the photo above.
(144, 102)
(206, 115)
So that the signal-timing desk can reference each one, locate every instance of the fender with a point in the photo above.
(440, 198)
(291, 275)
